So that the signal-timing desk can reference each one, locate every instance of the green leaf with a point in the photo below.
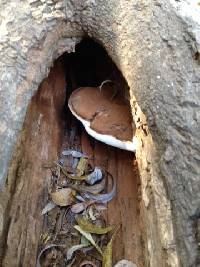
(89, 237)
(93, 229)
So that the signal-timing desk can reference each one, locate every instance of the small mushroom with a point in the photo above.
(106, 118)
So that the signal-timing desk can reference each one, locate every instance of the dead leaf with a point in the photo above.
(74, 153)
(91, 228)
(75, 163)
(103, 198)
(95, 176)
(62, 197)
(49, 206)
(100, 207)
(93, 189)
(78, 207)
(71, 251)
(43, 250)
(89, 237)
(84, 240)
(82, 166)
(80, 198)
(91, 214)
(107, 253)
(71, 263)
(126, 263)
(45, 238)
(73, 177)
(86, 263)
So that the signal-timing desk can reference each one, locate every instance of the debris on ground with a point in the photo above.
(76, 233)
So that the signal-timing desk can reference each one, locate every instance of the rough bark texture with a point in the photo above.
(27, 182)
(156, 51)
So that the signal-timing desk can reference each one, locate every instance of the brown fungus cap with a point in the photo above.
(107, 114)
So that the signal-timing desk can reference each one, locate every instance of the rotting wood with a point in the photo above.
(41, 142)
(26, 222)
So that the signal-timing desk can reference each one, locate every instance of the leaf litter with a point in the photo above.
(74, 153)
(91, 228)
(62, 197)
(76, 200)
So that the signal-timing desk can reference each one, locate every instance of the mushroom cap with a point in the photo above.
(103, 116)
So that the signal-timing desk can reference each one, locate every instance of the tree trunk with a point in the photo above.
(158, 57)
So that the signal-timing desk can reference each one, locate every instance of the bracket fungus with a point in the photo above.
(106, 116)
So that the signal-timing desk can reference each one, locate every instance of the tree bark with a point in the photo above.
(153, 49)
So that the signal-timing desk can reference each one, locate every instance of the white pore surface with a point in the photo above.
(107, 139)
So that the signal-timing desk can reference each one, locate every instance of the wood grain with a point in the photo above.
(124, 208)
